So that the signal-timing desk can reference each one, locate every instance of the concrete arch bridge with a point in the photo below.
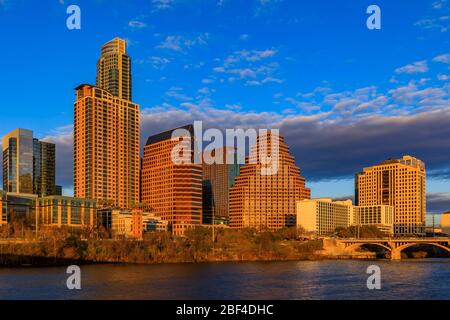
(394, 246)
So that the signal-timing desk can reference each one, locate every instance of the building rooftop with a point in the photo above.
(167, 135)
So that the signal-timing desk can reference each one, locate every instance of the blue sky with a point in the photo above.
(311, 68)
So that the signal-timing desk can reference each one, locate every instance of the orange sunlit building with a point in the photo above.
(265, 193)
(172, 190)
(114, 69)
(107, 134)
(400, 183)
(3, 208)
(106, 147)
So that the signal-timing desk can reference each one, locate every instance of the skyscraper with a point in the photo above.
(399, 183)
(106, 147)
(218, 178)
(172, 191)
(107, 133)
(114, 69)
(44, 168)
(28, 164)
(264, 195)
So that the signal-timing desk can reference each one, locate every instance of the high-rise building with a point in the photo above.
(107, 133)
(114, 69)
(44, 168)
(172, 190)
(106, 147)
(265, 193)
(218, 178)
(28, 164)
(18, 161)
(400, 183)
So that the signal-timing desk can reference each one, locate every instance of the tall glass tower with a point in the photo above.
(28, 164)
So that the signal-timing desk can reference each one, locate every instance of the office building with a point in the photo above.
(400, 183)
(107, 133)
(172, 190)
(130, 223)
(445, 223)
(323, 216)
(44, 168)
(22, 208)
(380, 216)
(264, 194)
(54, 211)
(59, 211)
(106, 148)
(218, 178)
(28, 164)
(114, 69)
(59, 190)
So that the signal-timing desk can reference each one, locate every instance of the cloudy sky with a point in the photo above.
(344, 96)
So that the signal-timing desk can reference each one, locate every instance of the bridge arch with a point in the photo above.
(355, 246)
(409, 245)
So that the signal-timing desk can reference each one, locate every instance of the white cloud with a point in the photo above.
(266, 6)
(249, 56)
(252, 66)
(155, 61)
(208, 81)
(416, 67)
(162, 4)
(442, 23)
(439, 4)
(176, 92)
(137, 24)
(443, 58)
(181, 44)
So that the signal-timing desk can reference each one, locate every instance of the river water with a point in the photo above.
(343, 279)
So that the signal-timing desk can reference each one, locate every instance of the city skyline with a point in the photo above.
(308, 131)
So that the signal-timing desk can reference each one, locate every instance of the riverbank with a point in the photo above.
(58, 248)
(159, 248)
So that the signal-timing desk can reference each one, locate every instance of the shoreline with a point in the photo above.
(45, 262)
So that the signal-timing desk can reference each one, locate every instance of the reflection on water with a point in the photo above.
(413, 279)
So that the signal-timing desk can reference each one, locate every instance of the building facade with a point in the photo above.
(114, 69)
(218, 178)
(264, 194)
(172, 190)
(323, 216)
(381, 216)
(28, 164)
(130, 223)
(3, 208)
(106, 148)
(400, 183)
(44, 168)
(107, 133)
(445, 223)
(58, 211)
